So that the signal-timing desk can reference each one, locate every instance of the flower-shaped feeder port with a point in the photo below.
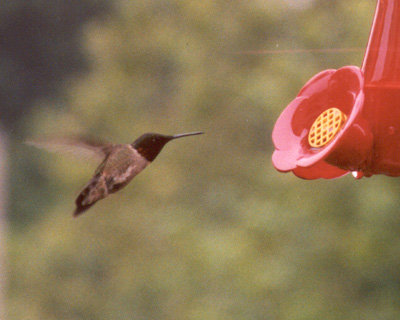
(323, 129)
(347, 120)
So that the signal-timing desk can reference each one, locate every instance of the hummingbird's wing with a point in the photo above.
(81, 147)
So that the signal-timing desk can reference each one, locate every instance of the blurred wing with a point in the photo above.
(79, 147)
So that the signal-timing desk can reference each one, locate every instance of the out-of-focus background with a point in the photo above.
(210, 230)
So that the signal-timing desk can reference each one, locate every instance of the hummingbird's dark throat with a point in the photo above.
(149, 145)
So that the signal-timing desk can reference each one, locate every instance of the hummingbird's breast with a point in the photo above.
(122, 165)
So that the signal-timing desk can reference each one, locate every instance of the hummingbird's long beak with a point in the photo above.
(186, 134)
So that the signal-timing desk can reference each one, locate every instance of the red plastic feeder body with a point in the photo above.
(348, 120)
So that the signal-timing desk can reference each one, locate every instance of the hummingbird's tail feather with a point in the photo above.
(81, 209)
(94, 191)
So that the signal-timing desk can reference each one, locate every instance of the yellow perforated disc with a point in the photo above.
(326, 127)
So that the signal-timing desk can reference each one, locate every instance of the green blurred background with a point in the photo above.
(210, 230)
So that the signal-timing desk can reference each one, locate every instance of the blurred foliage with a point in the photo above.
(209, 230)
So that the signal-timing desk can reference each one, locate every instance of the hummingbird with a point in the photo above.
(120, 163)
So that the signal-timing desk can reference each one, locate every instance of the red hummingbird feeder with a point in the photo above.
(348, 120)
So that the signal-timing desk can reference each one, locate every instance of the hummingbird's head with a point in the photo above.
(149, 145)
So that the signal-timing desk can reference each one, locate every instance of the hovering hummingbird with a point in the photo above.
(121, 163)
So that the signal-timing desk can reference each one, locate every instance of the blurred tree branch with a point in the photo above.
(40, 45)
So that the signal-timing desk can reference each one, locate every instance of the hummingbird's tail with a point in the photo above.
(94, 191)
